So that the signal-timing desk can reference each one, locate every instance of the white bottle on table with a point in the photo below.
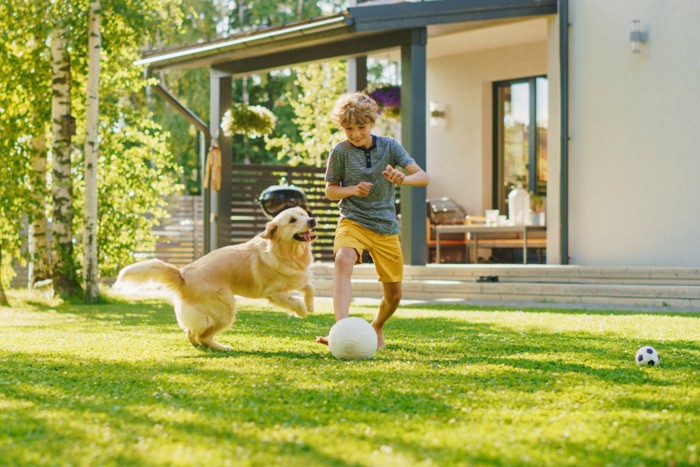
(519, 206)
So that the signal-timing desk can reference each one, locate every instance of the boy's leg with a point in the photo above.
(345, 259)
(387, 307)
(388, 261)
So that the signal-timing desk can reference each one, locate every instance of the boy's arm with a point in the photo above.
(414, 176)
(335, 191)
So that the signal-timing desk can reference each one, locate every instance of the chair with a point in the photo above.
(453, 247)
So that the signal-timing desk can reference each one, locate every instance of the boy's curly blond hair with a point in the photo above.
(355, 108)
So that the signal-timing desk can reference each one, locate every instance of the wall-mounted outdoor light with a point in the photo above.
(637, 36)
(437, 114)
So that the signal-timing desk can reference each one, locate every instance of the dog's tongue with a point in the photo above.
(307, 236)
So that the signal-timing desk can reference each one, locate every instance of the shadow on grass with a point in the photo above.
(69, 403)
(455, 340)
(209, 405)
(278, 384)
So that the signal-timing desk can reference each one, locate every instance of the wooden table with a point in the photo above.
(475, 230)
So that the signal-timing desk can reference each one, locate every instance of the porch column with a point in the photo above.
(217, 205)
(357, 73)
(563, 8)
(413, 139)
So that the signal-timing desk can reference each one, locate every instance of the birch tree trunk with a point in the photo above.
(244, 82)
(38, 267)
(92, 292)
(3, 297)
(64, 273)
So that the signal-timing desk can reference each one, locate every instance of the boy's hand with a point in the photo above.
(362, 189)
(393, 175)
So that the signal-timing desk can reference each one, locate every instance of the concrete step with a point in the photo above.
(536, 273)
(664, 288)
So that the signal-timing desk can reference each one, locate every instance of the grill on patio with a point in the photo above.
(276, 198)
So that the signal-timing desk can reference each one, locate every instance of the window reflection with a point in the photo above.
(521, 146)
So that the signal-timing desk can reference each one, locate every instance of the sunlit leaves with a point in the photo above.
(319, 85)
(133, 154)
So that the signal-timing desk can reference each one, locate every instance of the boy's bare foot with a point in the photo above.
(380, 338)
(380, 341)
(322, 340)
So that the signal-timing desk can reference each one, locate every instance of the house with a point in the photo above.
(593, 103)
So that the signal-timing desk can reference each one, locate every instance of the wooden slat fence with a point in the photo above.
(248, 219)
(179, 237)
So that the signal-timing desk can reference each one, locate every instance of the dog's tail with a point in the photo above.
(148, 274)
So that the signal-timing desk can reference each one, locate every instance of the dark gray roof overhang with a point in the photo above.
(419, 14)
(359, 30)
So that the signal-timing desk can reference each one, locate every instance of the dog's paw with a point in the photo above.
(302, 312)
(215, 345)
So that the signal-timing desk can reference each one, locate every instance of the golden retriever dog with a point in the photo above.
(272, 265)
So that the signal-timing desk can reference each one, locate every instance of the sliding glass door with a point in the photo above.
(520, 138)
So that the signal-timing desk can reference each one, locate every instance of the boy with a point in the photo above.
(361, 174)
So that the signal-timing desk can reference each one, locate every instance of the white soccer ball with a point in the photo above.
(352, 338)
(648, 356)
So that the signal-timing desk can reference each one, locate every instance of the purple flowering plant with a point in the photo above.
(388, 97)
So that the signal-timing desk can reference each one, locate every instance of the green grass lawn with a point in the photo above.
(118, 384)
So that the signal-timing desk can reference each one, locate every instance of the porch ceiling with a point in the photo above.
(461, 38)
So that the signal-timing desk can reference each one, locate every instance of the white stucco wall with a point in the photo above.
(459, 155)
(635, 134)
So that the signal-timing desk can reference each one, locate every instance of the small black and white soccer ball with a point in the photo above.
(648, 356)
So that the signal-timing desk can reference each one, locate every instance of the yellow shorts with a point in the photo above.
(385, 249)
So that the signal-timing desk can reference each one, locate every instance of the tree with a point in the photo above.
(64, 274)
(220, 18)
(39, 267)
(138, 164)
(319, 85)
(135, 168)
(91, 150)
(24, 112)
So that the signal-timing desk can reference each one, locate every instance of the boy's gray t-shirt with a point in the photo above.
(347, 165)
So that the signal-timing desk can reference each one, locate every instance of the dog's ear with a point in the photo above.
(270, 230)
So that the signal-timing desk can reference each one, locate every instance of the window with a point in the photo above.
(520, 137)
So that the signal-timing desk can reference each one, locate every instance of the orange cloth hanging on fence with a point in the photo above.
(213, 171)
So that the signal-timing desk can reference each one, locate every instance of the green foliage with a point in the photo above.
(135, 171)
(24, 113)
(249, 120)
(266, 13)
(199, 20)
(118, 384)
(191, 87)
(135, 167)
(206, 20)
(268, 90)
(319, 85)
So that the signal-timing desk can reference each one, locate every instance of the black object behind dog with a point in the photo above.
(276, 198)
